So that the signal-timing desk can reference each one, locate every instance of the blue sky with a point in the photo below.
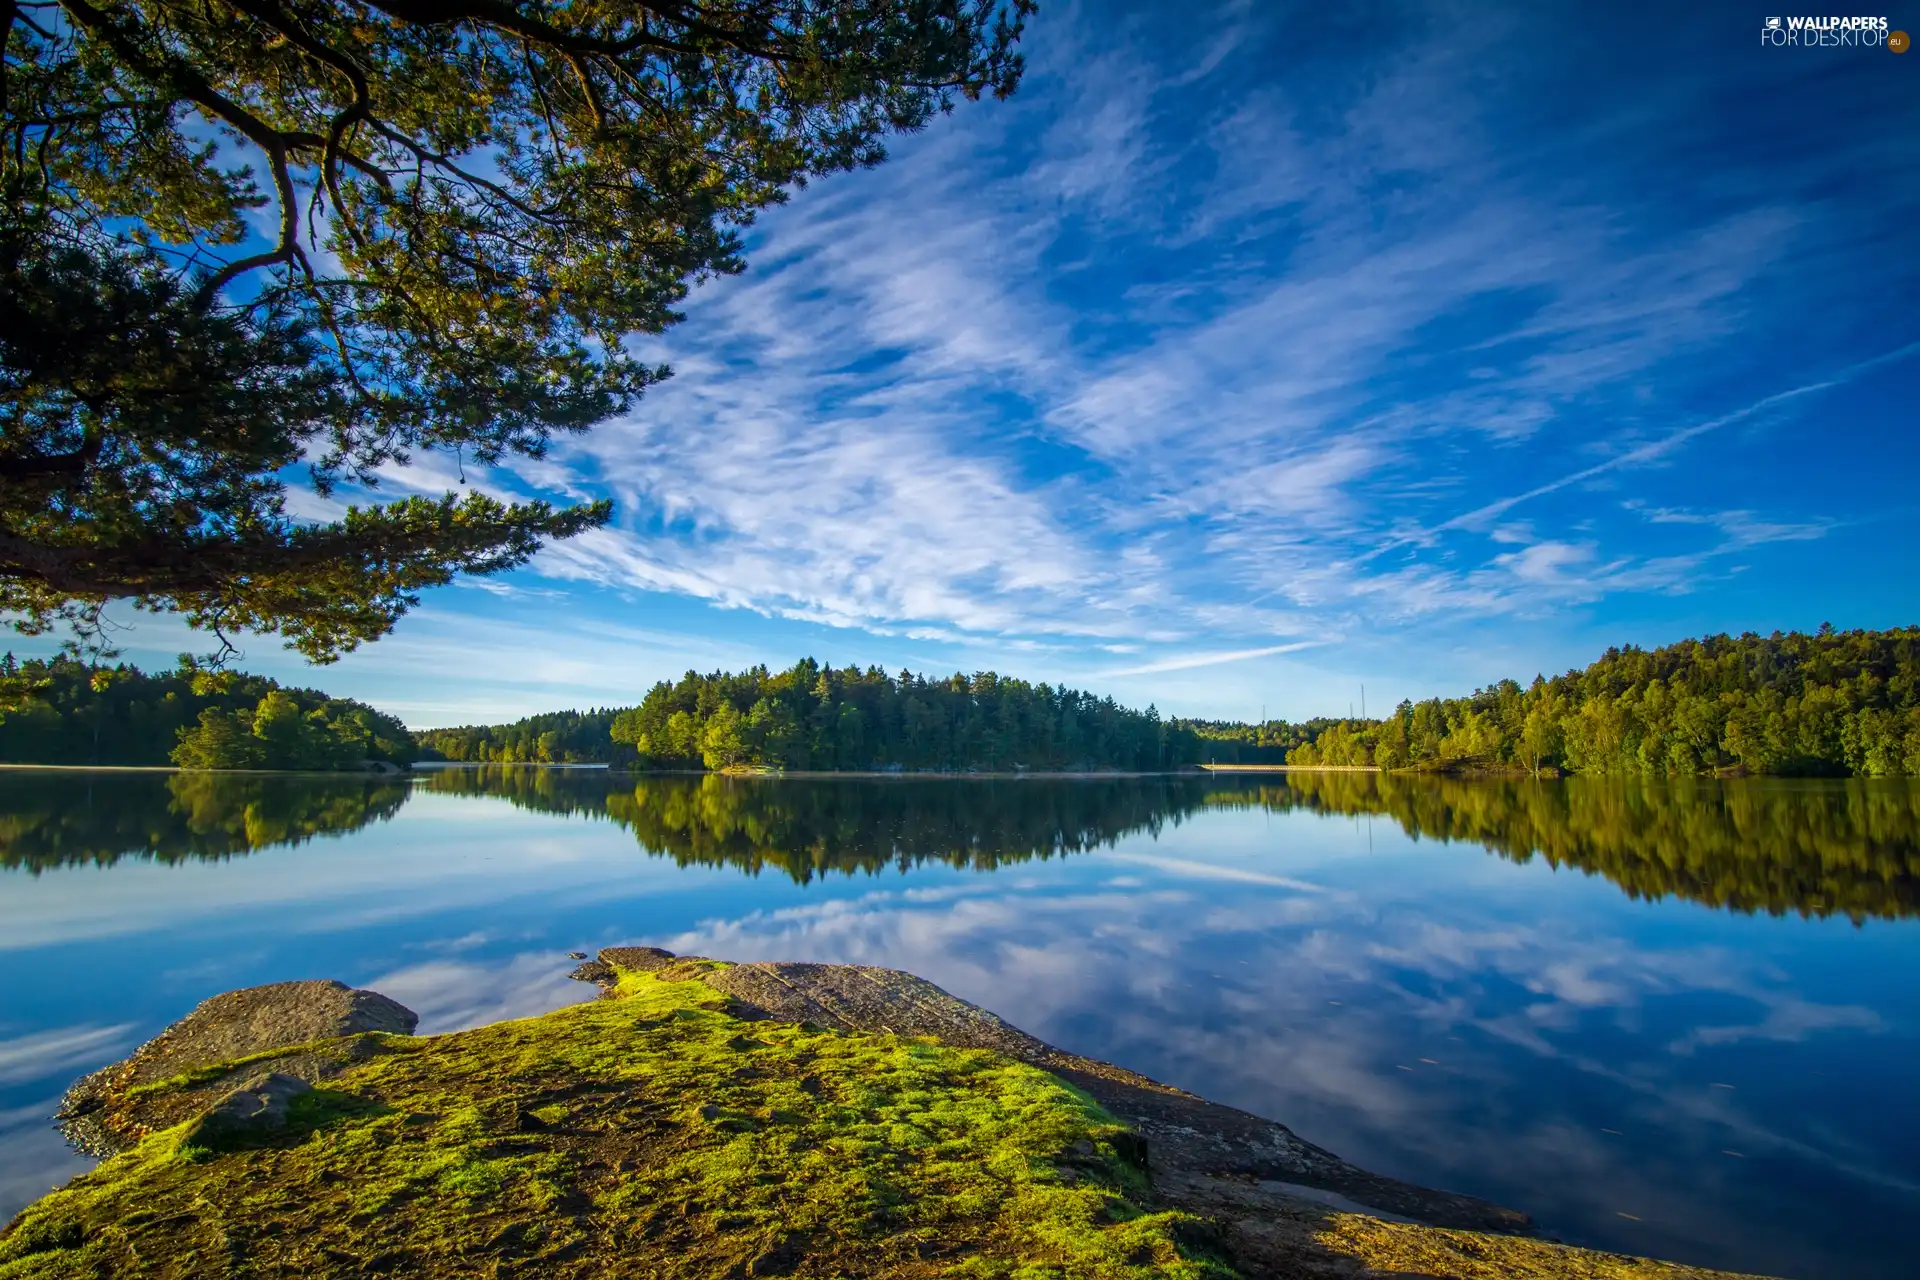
(1253, 353)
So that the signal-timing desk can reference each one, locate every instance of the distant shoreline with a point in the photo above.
(114, 768)
(1291, 768)
(220, 773)
(926, 775)
(959, 775)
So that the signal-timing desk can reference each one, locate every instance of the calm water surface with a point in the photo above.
(1670, 1020)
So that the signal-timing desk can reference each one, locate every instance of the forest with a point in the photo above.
(1232, 742)
(813, 717)
(62, 711)
(553, 737)
(1832, 704)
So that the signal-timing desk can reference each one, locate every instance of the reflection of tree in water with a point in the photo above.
(1820, 848)
(57, 819)
(1815, 847)
(809, 827)
(545, 789)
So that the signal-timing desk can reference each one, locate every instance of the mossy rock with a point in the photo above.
(694, 1126)
(650, 1135)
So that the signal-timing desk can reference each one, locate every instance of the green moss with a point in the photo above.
(653, 1134)
(1406, 1249)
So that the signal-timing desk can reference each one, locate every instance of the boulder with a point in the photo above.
(109, 1110)
(260, 1103)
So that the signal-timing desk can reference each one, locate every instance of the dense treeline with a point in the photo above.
(54, 820)
(1835, 703)
(814, 717)
(1231, 742)
(1775, 845)
(556, 737)
(60, 711)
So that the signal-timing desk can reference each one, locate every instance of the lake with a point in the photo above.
(1673, 1019)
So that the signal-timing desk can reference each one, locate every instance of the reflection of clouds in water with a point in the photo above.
(34, 1158)
(451, 995)
(1441, 1065)
(1026, 955)
(1189, 869)
(466, 942)
(1579, 974)
(63, 1051)
(1016, 946)
(1789, 1020)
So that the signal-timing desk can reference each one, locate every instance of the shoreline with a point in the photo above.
(396, 772)
(1296, 768)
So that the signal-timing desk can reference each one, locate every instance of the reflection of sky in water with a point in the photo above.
(1740, 1086)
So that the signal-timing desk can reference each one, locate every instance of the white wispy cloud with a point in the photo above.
(927, 410)
(1187, 661)
(1251, 330)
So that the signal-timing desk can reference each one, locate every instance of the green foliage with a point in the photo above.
(557, 737)
(144, 429)
(1231, 742)
(471, 206)
(1835, 703)
(222, 740)
(653, 1134)
(60, 711)
(819, 718)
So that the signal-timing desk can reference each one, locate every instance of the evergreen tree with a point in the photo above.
(61, 711)
(468, 207)
(223, 740)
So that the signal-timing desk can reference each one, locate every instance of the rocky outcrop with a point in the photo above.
(714, 1119)
(115, 1106)
(1190, 1141)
